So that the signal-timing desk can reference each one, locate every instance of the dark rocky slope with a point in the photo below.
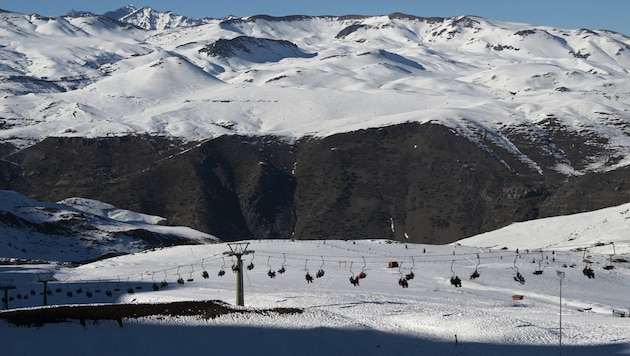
(435, 186)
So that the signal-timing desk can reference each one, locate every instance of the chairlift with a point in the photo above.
(402, 281)
(204, 273)
(476, 273)
(282, 269)
(353, 280)
(270, 273)
(362, 274)
(320, 273)
(180, 280)
(411, 275)
(154, 285)
(455, 280)
(250, 266)
(539, 271)
(117, 288)
(610, 265)
(588, 271)
(139, 286)
(518, 277)
(308, 277)
(190, 277)
(108, 292)
(222, 270)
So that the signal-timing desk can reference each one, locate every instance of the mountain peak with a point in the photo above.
(150, 19)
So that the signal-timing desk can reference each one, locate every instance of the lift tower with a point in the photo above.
(238, 250)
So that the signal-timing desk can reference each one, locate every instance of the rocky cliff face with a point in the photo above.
(411, 182)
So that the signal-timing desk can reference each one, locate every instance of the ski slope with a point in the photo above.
(378, 316)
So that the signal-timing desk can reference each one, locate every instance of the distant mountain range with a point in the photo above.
(397, 126)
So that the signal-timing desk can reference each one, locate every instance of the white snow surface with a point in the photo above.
(91, 77)
(91, 229)
(377, 317)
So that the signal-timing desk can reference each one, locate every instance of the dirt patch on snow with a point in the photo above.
(59, 314)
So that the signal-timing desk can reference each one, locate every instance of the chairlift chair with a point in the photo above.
(308, 277)
(610, 265)
(455, 280)
(353, 280)
(476, 273)
(204, 273)
(270, 273)
(362, 274)
(402, 280)
(190, 277)
(117, 287)
(588, 271)
(222, 270)
(411, 275)
(250, 266)
(282, 269)
(539, 271)
(139, 286)
(518, 277)
(180, 280)
(320, 273)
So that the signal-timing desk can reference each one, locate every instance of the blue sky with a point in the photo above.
(570, 14)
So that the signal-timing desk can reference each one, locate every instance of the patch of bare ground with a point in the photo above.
(119, 312)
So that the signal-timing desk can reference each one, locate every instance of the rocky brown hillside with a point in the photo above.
(411, 182)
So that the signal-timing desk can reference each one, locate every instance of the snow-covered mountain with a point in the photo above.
(150, 19)
(316, 126)
(78, 229)
(315, 76)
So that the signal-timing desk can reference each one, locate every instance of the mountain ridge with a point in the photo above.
(521, 114)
